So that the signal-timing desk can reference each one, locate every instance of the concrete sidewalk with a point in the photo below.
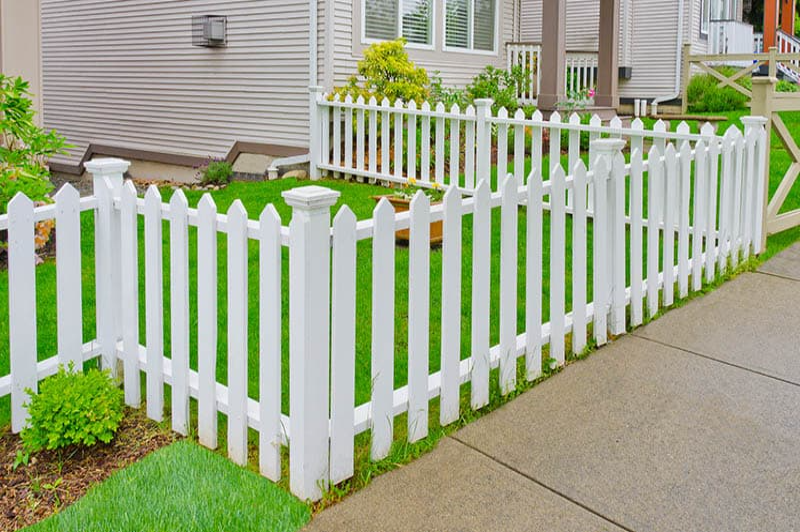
(690, 423)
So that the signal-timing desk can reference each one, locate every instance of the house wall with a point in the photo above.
(456, 68)
(125, 73)
(20, 45)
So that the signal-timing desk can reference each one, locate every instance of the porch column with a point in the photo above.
(554, 54)
(787, 17)
(607, 94)
(771, 9)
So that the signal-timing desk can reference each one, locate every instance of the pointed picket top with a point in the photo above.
(732, 132)
(683, 128)
(509, 187)
(420, 202)
(686, 150)
(555, 117)
(579, 174)
(482, 192)
(519, 114)
(385, 102)
(412, 105)
(637, 124)
(337, 97)
(426, 106)
(67, 194)
(470, 110)
(398, 103)
(707, 130)
(579, 166)
(360, 99)
(557, 176)
(237, 214)
(19, 203)
(269, 216)
(636, 155)
(575, 119)
(129, 191)
(152, 194)
(669, 154)
(453, 195)
(206, 206)
(373, 101)
(537, 115)
(653, 156)
(454, 109)
(178, 201)
(616, 123)
(344, 219)
(660, 126)
(595, 121)
(699, 146)
(502, 113)
(348, 99)
(619, 164)
(383, 210)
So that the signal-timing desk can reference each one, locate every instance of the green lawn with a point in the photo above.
(182, 487)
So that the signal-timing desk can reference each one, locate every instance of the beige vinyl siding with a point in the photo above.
(125, 73)
(583, 23)
(456, 68)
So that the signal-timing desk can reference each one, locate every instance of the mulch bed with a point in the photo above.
(34, 492)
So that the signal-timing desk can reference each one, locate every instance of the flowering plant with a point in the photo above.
(409, 189)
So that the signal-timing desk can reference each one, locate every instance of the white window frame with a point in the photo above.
(471, 30)
(367, 41)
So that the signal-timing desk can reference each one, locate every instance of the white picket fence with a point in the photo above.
(699, 197)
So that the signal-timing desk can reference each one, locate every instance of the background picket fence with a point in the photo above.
(682, 211)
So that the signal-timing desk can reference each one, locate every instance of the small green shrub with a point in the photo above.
(73, 408)
(216, 172)
(705, 96)
(786, 86)
(499, 85)
(387, 72)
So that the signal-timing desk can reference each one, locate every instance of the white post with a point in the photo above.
(309, 338)
(614, 233)
(314, 131)
(108, 173)
(483, 140)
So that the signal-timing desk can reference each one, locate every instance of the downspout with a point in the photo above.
(678, 47)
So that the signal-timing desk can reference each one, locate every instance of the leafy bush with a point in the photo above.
(216, 172)
(387, 72)
(73, 408)
(786, 86)
(704, 95)
(499, 85)
(24, 146)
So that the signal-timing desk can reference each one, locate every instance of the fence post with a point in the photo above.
(483, 140)
(107, 177)
(773, 62)
(761, 107)
(609, 232)
(309, 328)
(314, 131)
(687, 73)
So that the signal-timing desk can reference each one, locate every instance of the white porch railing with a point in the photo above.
(758, 43)
(788, 44)
(581, 70)
(581, 73)
(730, 37)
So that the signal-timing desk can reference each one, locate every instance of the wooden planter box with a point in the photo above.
(402, 204)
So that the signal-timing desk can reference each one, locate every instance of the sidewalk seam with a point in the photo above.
(541, 484)
(777, 276)
(714, 359)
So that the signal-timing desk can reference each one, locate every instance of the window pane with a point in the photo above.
(457, 23)
(380, 19)
(417, 21)
(483, 27)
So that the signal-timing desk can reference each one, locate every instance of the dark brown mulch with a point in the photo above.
(31, 493)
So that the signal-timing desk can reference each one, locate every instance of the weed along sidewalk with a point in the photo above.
(674, 427)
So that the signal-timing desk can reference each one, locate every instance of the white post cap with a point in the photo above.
(310, 198)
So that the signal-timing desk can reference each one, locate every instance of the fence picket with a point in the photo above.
(455, 147)
(382, 414)
(21, 307)
(637, 278)
(425, 165)
(325, 124)
(129, 266)
(660, 142)
(555, 140)
(684, 194)
(573, 153)
(533, 278)
(698, 214)
(502, 143)
(519, 149)
(154, 303)
(373, 136)
(207, 310)
(337, 133)
(579, 258)
(348, 132)
(412, 141)
(672, 176)
(508, 285)
(237, 332)
(712, 246)
(738, 177)
(481, 282)
(655, 173)
(536, 146)
(725, 200)
(451, 307)
(398, 138)
(385, 137)
(440, 152)
(557, 263)
(594, 121)
(469, 149)
(269, 356)
(343, 344)
(69, 309)
(360, 147)
(179, 309)
(418, 316)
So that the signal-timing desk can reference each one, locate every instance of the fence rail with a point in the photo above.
(681, 211)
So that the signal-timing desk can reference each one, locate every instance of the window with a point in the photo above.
(717, 10)
(470, 24)
(388, 19)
